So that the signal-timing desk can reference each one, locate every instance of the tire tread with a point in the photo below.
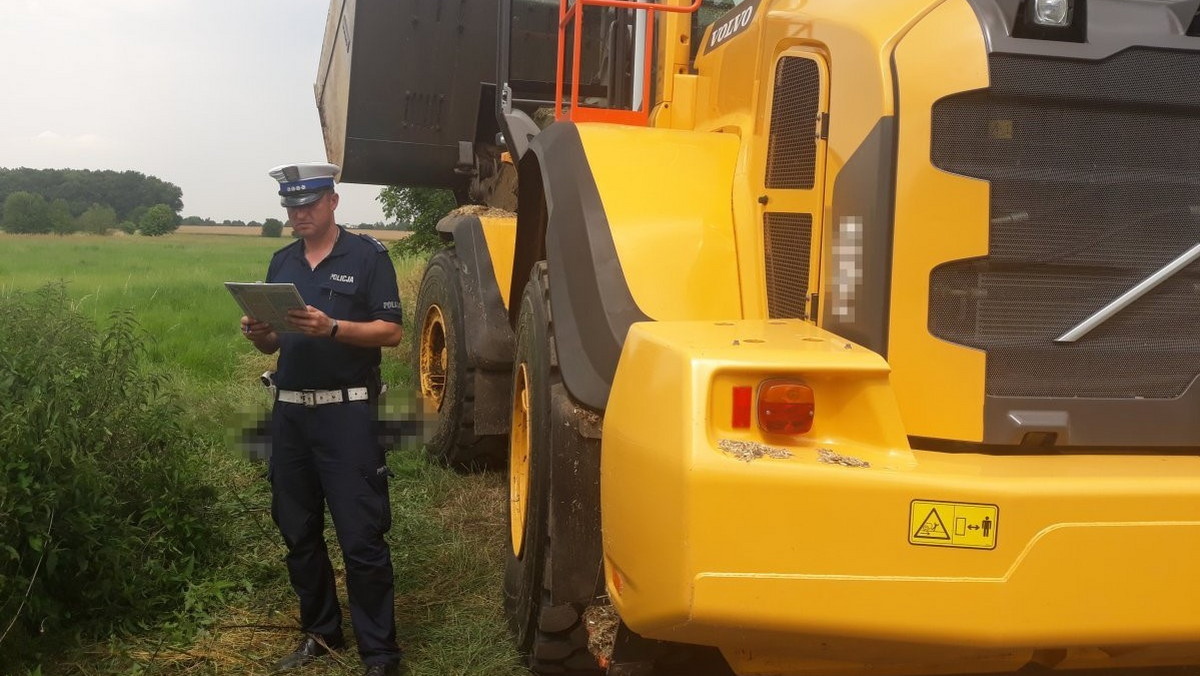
(557, 641)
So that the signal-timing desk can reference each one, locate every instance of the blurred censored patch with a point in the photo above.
(255, 440)
(403, 422)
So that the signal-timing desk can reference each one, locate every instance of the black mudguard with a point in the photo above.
(489, 336)
(562, 221)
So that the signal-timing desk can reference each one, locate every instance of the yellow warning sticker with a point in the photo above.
(952, 524)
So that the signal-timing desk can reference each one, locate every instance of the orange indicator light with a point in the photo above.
(785, 407)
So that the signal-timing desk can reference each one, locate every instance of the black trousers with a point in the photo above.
(330, 455)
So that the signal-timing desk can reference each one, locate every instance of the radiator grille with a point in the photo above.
(788, 240)
(1095, 184)
(792, 149)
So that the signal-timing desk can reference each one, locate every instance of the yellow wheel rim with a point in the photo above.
(433, 356)
(518, 460)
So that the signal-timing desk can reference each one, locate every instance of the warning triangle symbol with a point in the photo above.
(932, 528)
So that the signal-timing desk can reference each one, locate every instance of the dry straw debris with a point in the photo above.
(832, 457)
(480, 210)
(601, 623)
(747, 451)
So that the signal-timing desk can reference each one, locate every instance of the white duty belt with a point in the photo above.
(313, 398)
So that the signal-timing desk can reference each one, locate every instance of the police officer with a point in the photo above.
(324, 448)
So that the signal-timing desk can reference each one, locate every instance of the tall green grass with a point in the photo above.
(173, 285)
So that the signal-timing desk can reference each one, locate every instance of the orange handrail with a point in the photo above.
(573, 12)
(633, 4)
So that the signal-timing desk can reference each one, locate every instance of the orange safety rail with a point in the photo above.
(572, 12)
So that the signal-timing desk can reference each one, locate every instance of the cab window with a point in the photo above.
(709, 12)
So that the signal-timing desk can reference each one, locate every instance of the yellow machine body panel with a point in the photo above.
(939, 385)
(864, 30)
(669, 215)
(732, 94)
(845, 551)
(500, 233)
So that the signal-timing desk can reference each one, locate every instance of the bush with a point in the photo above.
(158, 220)
(26, 213)
(272, 227)
(99, 219)
(61, 221)
(103, 502)
(421, 208)
(137, 214)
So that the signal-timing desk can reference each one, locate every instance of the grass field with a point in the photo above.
(448, 533)
(172, 284)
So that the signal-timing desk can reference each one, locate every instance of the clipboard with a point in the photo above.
(268, 302)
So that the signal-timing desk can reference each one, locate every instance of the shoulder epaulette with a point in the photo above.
(379, 246)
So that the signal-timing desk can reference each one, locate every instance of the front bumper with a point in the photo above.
(815, 563)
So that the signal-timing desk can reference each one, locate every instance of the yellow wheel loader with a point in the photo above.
(818, 336)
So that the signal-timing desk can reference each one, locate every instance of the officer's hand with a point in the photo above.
(255, 330)
(311, 321)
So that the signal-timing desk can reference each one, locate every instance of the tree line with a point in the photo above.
(239, 223)
(72, 200)
(127, 192)
(30, 213)
(63, 201)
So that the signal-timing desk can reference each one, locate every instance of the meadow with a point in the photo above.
(240, 616)
(172, 284)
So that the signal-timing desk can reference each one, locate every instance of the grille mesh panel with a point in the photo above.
(1095, 184)
(792, 149)
(788, 240)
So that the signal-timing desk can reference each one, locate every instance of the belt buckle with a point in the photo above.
(308, 398)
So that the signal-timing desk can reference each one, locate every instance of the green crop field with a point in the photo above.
(448, 533)
(172, 284)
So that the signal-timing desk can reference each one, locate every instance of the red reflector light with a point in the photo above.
(741, 407)
(785, 407)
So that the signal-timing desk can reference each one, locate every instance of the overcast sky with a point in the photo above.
(205, 94)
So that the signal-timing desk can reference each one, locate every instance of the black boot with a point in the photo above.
(390, 669)
(312, 647)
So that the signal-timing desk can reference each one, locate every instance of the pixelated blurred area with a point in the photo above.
(255, 440)
(403, 423)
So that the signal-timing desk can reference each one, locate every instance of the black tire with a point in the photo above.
(453, 441)
(552, 638)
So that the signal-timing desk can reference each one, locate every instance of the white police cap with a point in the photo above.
(304, 183)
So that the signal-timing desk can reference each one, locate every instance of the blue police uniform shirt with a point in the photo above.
(355, 282)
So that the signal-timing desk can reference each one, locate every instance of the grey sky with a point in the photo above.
(206, 94)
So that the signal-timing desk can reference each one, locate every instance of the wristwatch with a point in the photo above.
(333, 331)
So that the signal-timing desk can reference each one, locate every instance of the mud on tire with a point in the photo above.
(552, 638)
